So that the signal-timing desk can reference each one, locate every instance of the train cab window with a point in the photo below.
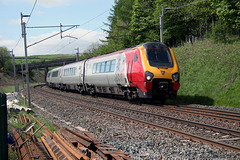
(159, 56)
(49, 74)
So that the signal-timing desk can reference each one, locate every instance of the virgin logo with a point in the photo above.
(163, 72)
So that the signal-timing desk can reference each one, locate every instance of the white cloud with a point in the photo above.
(56, 45)
(38, 12)
(15, 21)
(52, 3)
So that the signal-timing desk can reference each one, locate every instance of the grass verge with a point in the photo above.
(210, 73)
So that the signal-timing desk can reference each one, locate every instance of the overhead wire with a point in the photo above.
(31, 11)
(17, 43)
(79, 38)
(95, 17)
(82, 35)
(34, 5)
(91, 19)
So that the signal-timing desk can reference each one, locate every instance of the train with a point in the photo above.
(146, 71)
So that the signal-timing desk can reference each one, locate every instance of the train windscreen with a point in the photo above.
(158, 55)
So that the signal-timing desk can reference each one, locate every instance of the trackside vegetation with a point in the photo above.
(210, 73)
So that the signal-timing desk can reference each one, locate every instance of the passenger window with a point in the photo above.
(107, 68)
(98, 67)
(112, 66)
(74, 71)
(102, 67)
(55, 74)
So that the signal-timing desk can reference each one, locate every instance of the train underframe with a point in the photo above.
(162, 90)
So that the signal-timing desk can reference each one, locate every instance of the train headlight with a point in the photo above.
(175, 77)
(148, 75)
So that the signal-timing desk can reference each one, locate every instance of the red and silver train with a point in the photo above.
(146, 71)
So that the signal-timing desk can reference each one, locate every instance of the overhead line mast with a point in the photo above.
(23, 24)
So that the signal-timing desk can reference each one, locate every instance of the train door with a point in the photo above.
(120, 74)
(135, 69)
(60, 75)
(83, 71)
(130, 61)
(130, 65)
(80, 73)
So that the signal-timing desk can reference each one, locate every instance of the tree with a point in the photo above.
(186, 19)
(229, 12)
(119, 23)
(134, 22)
(5, 59)
(4, 56)
(142, 22)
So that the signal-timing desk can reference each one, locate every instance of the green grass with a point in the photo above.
(16, 123)
(42, 58)
(210, 73)
(8, 89)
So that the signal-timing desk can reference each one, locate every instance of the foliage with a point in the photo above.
(7, 89)
(229, 12)
(119, 23)
(31, 73)
(41, 58)
(210, 73)
(221, 32)
(5, 59)
(137, 21)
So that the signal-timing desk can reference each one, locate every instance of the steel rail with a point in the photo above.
(214, 111)
(211, 127)
(184, 134)
(220, 129)
(195, 112)
(211, 113)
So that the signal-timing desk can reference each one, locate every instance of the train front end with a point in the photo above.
(161, 71)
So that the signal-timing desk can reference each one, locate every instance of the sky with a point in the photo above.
(89, 14)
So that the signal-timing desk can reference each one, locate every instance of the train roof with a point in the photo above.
(113, 53)
(152, 43)
(130, 48)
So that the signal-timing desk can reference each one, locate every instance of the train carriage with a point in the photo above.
(106, 74)
(147, 71)
(53, 78)
(72, 76)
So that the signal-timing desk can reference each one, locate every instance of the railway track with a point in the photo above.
(217, 114)
(211, 113)
(157, 121)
